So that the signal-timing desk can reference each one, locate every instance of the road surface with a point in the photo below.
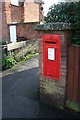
(20, 89)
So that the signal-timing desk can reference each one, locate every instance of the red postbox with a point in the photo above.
(51, 56)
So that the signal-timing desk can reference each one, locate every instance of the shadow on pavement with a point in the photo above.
(21, 97)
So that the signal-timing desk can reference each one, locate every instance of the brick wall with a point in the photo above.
(29, 12)
(17, 13)
(32, 12)
(27, 31)
(7, 11)
(53, 92)
(13, 13)
(0, 22)
(5, 29)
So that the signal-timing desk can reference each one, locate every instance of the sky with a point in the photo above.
(48, 3)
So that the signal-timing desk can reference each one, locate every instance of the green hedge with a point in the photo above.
(68, 12)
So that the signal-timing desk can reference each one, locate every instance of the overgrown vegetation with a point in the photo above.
(2, 42)
(68, 12)
(10, 60)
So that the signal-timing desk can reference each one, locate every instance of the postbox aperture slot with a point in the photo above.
(51, 42)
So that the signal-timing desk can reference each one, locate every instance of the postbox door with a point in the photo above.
(51, 57)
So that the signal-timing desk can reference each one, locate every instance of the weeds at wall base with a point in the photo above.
(11, 61)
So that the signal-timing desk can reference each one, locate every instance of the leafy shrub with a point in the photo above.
(8, 62)
(68, 12)
(2, 42)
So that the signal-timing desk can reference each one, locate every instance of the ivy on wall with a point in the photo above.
(68, 12)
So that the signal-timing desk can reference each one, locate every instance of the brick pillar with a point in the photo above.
(53, 92)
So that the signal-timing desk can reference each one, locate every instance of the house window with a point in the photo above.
(12, 29)
(15, 2)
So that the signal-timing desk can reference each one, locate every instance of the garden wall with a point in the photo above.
(27, 31)
(53, 91)
(59, 92)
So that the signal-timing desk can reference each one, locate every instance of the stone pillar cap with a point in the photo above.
(53, 26)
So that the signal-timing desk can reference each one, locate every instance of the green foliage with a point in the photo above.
(2, 42)
(76, 37)
(68, 12)
(8, 62)
(11, 61)
(73, 105)
(32, 54)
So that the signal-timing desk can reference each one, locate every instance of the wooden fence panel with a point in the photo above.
(16, 45)
(70, 72)
(76, 74)
(73, 79)
(79, 77)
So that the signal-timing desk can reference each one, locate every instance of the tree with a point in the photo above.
(68, 12)
(62, 12)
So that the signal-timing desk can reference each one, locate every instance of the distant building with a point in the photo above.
(15, 13)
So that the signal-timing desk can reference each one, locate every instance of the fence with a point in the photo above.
(73, 81)
(20, 48)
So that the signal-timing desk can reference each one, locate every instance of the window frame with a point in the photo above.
(13, 35)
